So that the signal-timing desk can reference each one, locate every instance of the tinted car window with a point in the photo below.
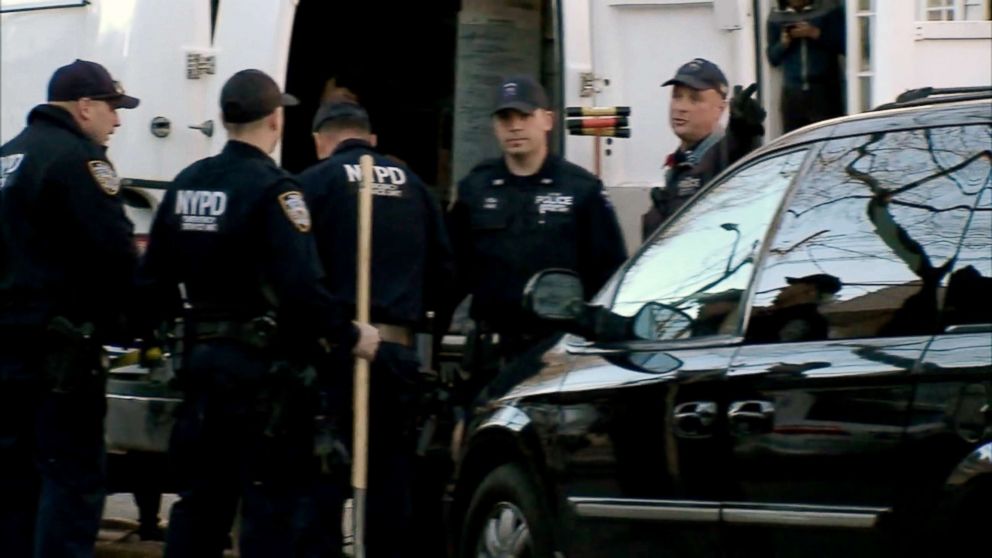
(702, 261)
(875, 231)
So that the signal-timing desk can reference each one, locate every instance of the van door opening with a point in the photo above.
(412, 91)
(408, 92)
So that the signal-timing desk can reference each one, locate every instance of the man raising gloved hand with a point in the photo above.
(699, 97)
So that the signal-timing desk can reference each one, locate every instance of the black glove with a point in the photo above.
(746, 115)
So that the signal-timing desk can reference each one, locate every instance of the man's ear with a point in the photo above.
(84, 108)
(273, 120)
(373, 140)
(549, 120)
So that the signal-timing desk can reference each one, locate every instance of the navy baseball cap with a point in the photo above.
(341, 111)
(700, 74)
(824, 282)
(520, 93)
(250, 95)
(88, 79)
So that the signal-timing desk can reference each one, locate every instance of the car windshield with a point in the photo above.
(705, 255)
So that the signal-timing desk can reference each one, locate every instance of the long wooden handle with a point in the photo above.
(359, 469)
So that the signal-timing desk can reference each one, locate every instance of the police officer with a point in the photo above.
(67, 262)
(411, 268)
(231, 244)
(699, 98)
(526, 211)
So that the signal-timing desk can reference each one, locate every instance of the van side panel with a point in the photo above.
(142, 44)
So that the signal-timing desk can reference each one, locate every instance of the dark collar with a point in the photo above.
(242, 149)
(543, 174)
(59, 117)
(350, 144)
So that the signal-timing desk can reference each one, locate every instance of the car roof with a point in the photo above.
(908, 118)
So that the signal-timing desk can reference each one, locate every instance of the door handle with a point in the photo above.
(751, 417)
(207, 127)
(695, 419)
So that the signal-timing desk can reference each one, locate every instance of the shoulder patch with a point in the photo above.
(9, 164)
(606, 198)
(105, 176)
(295, 209)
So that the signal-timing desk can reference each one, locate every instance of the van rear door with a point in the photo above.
(249, 34)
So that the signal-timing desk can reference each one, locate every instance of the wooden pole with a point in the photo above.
(359, 468)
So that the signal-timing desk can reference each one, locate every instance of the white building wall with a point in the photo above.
(909, 53)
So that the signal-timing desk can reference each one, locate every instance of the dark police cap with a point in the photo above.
(824, 282)
(251, 95)
(700, 74)
(341, 111)
(520, 93)
(88, 79)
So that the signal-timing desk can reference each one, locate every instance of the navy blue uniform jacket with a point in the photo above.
(412, 264)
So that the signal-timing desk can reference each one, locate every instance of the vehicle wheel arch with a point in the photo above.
(490, 448)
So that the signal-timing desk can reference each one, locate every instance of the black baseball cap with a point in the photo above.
(341, 111)
(520, 93)
(250, 95)
(700, 74)
(88, 79)
(824, 282)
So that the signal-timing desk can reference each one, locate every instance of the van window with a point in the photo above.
(28, 5)
(701, 262)
(875, 232)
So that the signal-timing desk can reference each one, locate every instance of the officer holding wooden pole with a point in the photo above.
(404, 263)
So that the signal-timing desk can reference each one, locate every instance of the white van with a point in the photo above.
(428, 96)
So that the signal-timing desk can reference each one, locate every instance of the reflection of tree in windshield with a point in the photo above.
(889, 211)
(708, 245)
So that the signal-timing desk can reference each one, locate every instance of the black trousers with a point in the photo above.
(801, 108)
(52, 458)
(223, 458)
(393, 399)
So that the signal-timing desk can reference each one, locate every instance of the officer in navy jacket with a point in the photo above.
(524, 212)
(231, 251)
(67, 261)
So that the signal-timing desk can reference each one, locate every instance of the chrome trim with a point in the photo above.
(731, 512)
(140, 398)
(579, 346)
(978, 462)
(802, 516)
(650, 510)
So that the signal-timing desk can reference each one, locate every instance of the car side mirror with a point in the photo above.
(657, 322)
(554, 294)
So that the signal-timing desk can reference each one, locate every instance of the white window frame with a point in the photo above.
(955, 27)
(856, 73)
(955, 10)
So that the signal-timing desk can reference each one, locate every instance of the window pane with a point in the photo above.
(864, 5)
(975, 10)
(708, 249)
(864, 27)
(882, 217)
(864, 83)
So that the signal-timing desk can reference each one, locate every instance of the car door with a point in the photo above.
(949, 437)
(817, 414)
(639, 445)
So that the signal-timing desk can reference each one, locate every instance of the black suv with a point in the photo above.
(798, 363)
